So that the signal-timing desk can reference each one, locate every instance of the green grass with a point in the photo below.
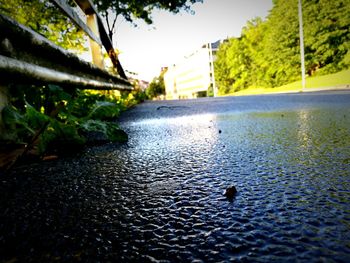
(331, 81)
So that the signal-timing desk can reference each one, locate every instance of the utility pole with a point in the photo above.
(302, 55)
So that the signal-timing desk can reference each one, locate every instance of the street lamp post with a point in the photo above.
(302, 55)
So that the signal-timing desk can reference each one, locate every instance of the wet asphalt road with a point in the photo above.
(160, 196)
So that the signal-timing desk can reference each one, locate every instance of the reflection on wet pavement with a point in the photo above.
(160, 197)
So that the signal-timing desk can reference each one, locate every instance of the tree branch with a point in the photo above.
(107, 21)
(115, 20)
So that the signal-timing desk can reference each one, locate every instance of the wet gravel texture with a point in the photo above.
(159, 198)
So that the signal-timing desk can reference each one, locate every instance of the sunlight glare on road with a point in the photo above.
(200, 129)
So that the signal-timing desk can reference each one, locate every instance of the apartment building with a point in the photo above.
(194, 75)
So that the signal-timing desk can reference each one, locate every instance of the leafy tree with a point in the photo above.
(327, 35)
(239, 62)
(156, 87)
(132, 9)
(252, 38)
(231, 66)
(43, 17)
(222, 68)
(281, 43)
(326, 38)
(268, 52)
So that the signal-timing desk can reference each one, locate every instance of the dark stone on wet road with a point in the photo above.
(230, 192)
(159, 197)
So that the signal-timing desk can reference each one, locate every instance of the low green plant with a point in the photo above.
(55, 116)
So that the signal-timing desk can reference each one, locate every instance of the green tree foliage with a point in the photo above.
(132, 9)
(156, 87)
(252, 40)
(230, 66)
(43, 17)
(222, 67)
(327, 35)
(281, 43)
(138, 94)
(240, 62)
(268, 52)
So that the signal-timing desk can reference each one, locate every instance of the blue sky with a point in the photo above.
(147, 48)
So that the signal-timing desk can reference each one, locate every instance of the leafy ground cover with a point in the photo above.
(49, 121)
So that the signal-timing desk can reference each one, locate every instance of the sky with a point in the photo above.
(147, 48)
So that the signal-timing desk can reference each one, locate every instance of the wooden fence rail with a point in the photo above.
(26, 56)
(93, 18)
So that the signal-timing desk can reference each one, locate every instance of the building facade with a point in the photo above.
(193, 76)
